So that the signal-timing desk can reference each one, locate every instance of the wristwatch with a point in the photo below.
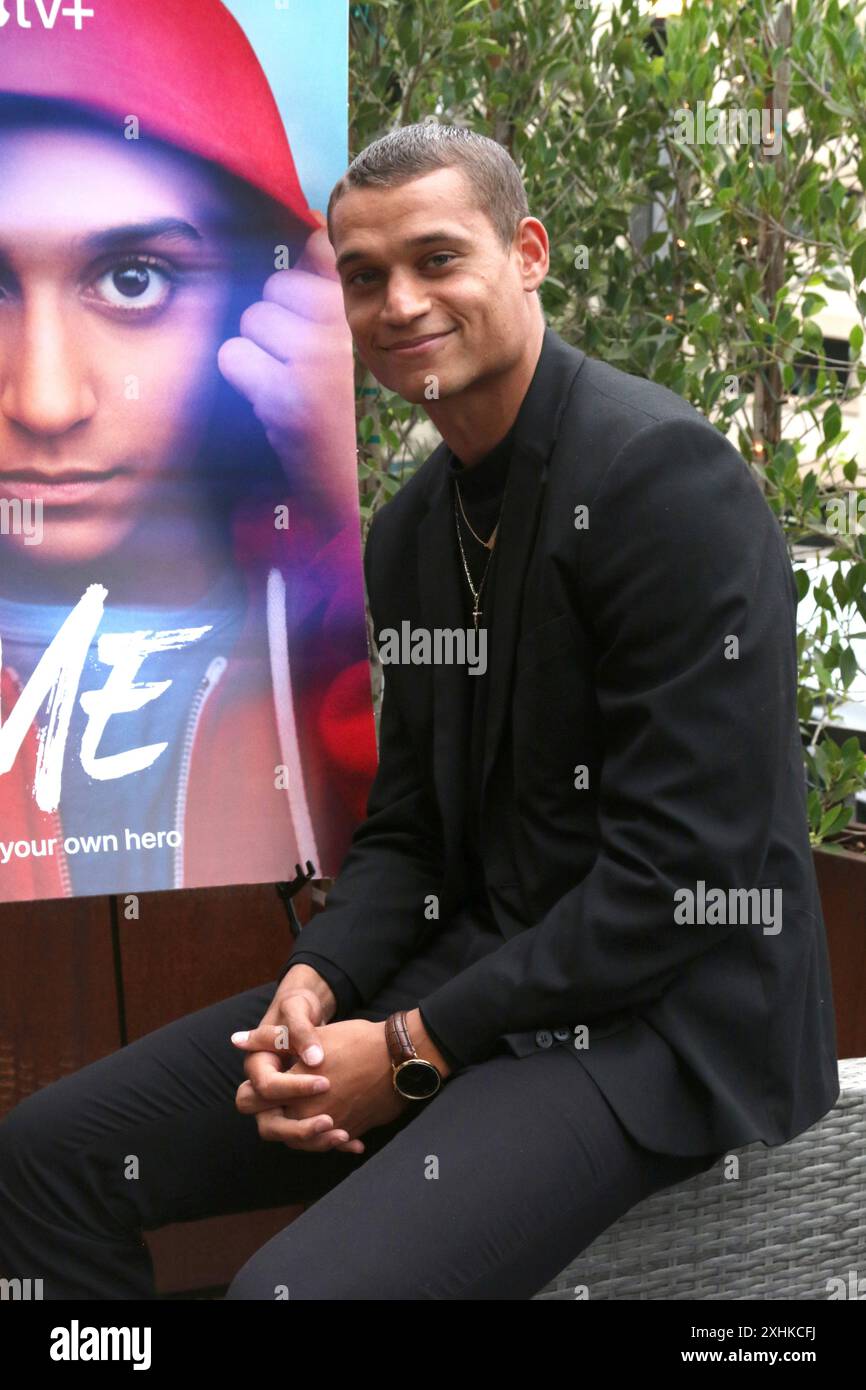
(414, 1077)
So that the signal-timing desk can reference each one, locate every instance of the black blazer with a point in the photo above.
(650, 640)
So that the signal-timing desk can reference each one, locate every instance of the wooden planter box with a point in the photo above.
(842, 883)
(111, 980)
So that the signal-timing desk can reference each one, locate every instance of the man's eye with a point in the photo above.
(438, 256)
(357, 280)
(135, 285)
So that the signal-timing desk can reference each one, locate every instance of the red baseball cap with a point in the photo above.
(185, 68)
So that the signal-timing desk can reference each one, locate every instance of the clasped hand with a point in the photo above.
(316, 1086)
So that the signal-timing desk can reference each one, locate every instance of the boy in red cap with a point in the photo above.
(185, 687)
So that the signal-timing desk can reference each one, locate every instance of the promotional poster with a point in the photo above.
(185, 694)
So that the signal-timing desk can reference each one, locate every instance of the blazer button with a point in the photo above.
(544, 1038)
(561, 1034)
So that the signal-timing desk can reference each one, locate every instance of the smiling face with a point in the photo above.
(114, 287)
(429, 288)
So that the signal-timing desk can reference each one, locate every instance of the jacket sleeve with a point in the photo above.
(375, 919)
(692, 600)
(345, 993)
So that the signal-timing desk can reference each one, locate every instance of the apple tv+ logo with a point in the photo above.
(26, 13)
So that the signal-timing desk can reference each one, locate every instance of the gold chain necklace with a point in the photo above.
(476, 593)
(488, 545)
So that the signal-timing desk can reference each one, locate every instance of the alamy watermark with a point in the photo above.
(845, 514)
(714, 125)
(438, 646)
(21, 1290)
(22, 518)
(729, 906)
(77, 1343)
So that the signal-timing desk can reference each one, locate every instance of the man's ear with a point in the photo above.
(533, 247)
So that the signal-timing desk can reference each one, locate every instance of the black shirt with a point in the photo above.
(481, 489)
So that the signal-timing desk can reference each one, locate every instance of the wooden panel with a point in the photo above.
(58, 1008)
(189, 949)
(842, 884)
(59, 1011)
(194, 947)
(208, 1254)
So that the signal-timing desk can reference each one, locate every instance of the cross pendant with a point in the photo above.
(476, 614)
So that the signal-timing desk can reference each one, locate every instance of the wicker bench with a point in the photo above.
(793, 1221)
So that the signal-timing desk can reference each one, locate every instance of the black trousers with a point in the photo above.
(485, 1192)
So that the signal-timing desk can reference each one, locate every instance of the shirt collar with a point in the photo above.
(486, 478)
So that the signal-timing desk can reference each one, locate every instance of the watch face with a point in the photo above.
(417, 1079)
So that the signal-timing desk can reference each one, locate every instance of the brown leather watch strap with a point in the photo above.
(400, 1046)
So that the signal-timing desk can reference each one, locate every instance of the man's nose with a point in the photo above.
(406, 298)
(45, 385)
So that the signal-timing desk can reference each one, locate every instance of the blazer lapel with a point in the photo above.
(536, 430)
(521, 506)
(442, 607)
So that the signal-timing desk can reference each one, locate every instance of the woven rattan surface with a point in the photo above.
(792, 1222)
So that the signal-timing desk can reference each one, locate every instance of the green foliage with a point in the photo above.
(707, 261)
(835, 773)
